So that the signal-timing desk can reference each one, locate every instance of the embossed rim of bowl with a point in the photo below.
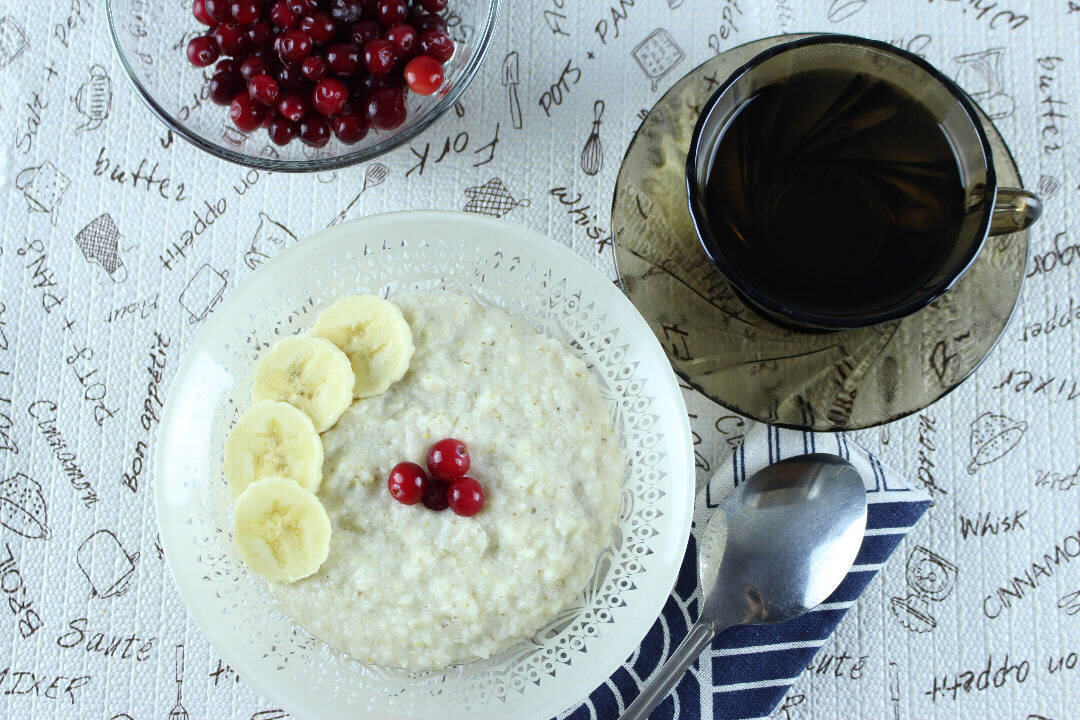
(584, 678)
(354, 157)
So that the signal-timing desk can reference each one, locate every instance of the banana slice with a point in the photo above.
(281, 530)
(273, 439)
(310, 374)
(375, 336)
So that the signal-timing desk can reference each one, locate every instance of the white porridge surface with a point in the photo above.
(408, 587)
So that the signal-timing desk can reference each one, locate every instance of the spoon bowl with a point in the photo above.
(774, 549)
(782, 541)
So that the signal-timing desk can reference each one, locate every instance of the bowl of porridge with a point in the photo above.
(516, 601)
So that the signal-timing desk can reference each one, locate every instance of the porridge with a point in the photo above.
(403, 586)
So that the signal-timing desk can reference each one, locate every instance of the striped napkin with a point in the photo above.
(748, 669)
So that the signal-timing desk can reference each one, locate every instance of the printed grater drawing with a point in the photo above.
(656, 55)
(100, 245)
(491, 198)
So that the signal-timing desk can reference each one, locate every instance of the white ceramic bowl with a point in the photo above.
(532, 278)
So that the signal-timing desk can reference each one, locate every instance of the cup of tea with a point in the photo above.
(838, 182)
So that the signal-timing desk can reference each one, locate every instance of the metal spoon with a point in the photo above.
(776, 547)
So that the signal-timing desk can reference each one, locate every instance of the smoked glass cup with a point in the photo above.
(988, 209)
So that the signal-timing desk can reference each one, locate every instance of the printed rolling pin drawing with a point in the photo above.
(992, 436)
(105, 564)
(22, 507)
(94, 99)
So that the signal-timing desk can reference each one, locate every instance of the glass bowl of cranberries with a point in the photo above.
(300, 85)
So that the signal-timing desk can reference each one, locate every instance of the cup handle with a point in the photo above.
(1015, 210)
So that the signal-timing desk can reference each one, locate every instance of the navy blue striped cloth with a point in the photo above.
(748, 669)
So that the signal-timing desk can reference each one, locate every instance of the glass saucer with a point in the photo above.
(843, 380)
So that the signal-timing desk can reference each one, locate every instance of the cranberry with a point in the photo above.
(437, 44)
(303, 7)
(202, 51)
(343, 58)
(282, 16)
(245, 12)
(329, 96)
(392, 12)
(430, 22)
(363, 32)
(379, 57)
(224, 86)
(435, 495)
(264, 89)
(252, 67)
(219, 10)
(465, 497)
(407, 483)
(292, 107)
(448, 459)
(230, 38)
(281, 131)
(319, 26)
(349, 127)
(199, 9)
(346, 11)
(292, 46)
(313, 68)
(291, 79)
(424, 75)
(433, 6)
(385, 108)
(261, 34)
(227, 65)
(404, 38)
(246, 114)
(369, 9)
(314, 131)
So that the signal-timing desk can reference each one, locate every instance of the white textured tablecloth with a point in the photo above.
(90, 621)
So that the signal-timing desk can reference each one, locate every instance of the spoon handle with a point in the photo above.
(683, 657)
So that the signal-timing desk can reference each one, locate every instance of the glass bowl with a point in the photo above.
(532, 278)
(151, 38)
